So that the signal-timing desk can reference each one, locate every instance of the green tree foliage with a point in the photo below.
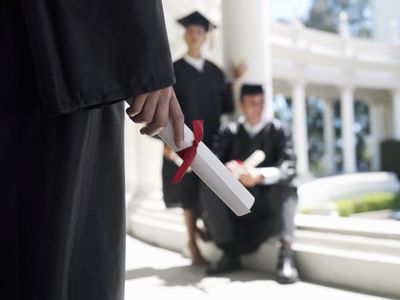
(324, 15)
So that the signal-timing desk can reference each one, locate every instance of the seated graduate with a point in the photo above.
(271, 183)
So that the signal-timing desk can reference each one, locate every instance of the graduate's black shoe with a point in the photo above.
(224, 265)
(286, 271)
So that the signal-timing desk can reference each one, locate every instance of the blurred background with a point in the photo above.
(331, 70)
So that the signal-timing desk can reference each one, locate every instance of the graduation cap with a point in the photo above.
(251, 89)
(196, 18)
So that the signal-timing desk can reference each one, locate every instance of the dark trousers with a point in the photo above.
(272, 215)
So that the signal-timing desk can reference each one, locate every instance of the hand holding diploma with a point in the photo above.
(238, 168)
(249, 175)
(161, 113)
(210, 170)
(246, 171)
(155, 109)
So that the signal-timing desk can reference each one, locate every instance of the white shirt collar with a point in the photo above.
(197, 63)
(253, 130)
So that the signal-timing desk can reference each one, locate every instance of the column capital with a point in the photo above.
(298, 83)
(371, 102)
(347, 88)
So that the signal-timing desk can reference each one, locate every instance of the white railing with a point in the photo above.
(333, 45)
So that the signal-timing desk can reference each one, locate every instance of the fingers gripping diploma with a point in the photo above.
(154, 110)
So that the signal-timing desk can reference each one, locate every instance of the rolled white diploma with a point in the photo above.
(213, 173)
(256, 158)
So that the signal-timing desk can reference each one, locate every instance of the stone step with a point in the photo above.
(329, 250)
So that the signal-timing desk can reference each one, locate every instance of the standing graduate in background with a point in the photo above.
(65, 69)
(203, 94)
(271, 183)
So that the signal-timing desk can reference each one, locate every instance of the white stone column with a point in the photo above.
(348, 136)
(329, 136)
(143, 160)
(394, 26)
(396, 114)
(300, 138)
(376, 115)
(246, 39)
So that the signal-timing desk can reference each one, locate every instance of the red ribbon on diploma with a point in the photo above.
(188, 154)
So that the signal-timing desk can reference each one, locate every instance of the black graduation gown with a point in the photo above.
(202, 96)
(62, 223)
(234, 143)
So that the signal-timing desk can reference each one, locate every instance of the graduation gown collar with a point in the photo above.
(252, 130)
(197, 63)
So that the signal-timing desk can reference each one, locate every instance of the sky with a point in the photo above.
(285, 9)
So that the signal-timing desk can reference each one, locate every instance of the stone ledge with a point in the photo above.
(356, 254)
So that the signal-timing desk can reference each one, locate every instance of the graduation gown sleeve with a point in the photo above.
(223, 142)
(227, 98)
(226, 92)
(91, 53)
